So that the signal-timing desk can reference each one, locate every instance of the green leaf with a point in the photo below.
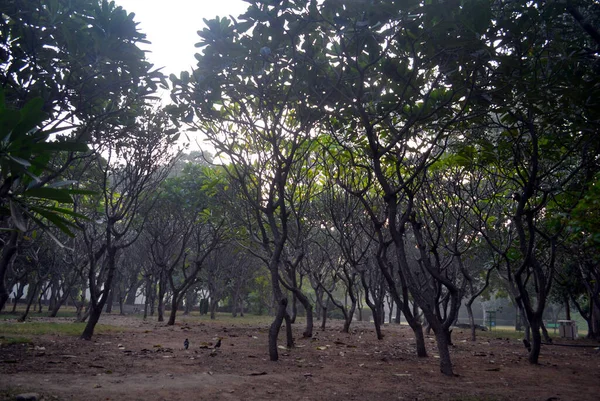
(59, 195)
(17, 216)
(57, 220)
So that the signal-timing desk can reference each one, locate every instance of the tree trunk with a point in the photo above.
(274, 329)
(469, 306)
(324, 318)
(294, 308)
(18, 296)
(96, 305)
(595, 314)
(58, 303)
(442, 336)
(94, 317)
(213, 308)
(417, 329)
(348, 318)
(147, 297)
(398, 315)
(174, 304)
(161, 300)
(289, 335)
(31, 297)
(547, 337)
(536, 341)
(377, 323)
(130, 299)
(109, 301)
(40, 301)
(567, 307)
(305, 302)
(121, 305)
(8, 251)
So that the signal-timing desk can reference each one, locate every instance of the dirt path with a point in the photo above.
(148, 362)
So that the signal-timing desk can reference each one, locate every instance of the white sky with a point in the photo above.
(171, 26)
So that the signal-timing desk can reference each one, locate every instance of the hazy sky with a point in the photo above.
(171, 26)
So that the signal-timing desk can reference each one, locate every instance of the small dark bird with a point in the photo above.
(186, 344)
(218, 344)
(527, 344)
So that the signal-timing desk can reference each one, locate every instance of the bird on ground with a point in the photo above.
(218, 344)
(186, 344)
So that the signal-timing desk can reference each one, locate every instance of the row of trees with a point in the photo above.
(463, 131)
(413, 152)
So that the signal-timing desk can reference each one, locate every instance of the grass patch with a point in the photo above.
(504, 332)
(14, 340)
(42, 328)
(226, 318)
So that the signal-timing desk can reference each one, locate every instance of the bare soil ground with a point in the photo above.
(148, 362)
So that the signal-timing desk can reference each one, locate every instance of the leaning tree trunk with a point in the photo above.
(469, 306)
(18, 296)
(294, 308)
(97, 304)
(275, 327)
(29, 302)
(94, 317)
(348, 317)
(547, 337)
(305, 302)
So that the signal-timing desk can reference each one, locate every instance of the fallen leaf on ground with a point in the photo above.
(257, 374)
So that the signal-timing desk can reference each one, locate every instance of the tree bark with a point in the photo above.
(305, 302)
(161, 299)
(8, 252)
(536, 342)
(31, 297)
(274, 329)
(174, 304)
(442, 337)
(213, 308)
(469, 306)
(94, 317)
(109, 301)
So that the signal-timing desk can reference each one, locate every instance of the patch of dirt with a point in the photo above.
(149, 362)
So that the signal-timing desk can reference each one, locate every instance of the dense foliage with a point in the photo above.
(416, 153)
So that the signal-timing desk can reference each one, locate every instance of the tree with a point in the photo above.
(539, 136)
(70, 70)
(249, 99)
(130, 176)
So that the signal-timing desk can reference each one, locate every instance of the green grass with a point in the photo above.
(502, 331)
(44, 328)
(226, 318)
(14, 340)
(7, 314)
